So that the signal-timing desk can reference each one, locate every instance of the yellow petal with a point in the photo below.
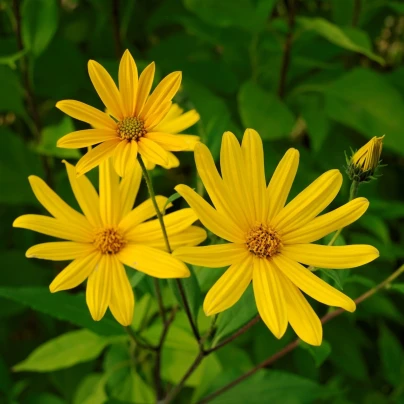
(190, 140)
(124, 157)
(53, 227)
(189, 237)
(144, 86)
(164, 92)
(172, 161)
(96, 156)
(154, 119)
(60, 250)
(326, 224)
(229, 288)
(220, 195)
(152, 151)
(122, 301)
(86, 113)
(177, 124)
(301, 315)
(213, 220)
(253, 154)
(337, 257)
(129, 187)
(106, 89)
(75, 273)
(153, 262)
(142, 212)
(234, 175)
(312, 285)
(98, 292)
(212, 256)
(309, 203)
(269, 296)
(56, 206)
(128, 81)
(85, 194)
(175, 222)
(167, 141)
(281, 183)
(109, 194)
(85, 138)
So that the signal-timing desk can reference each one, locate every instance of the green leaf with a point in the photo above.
(89, 392)
(351, 39)
(392, 356)
(51, 134)
(377, 226)
(11, 94)
(64, 351)
(11, 59)
(62, 306)
(399, 287)
(39, 24)
(319, 353)
(264, 112)
(169, 200)
(355, 101)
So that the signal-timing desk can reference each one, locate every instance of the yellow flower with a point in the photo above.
(268, 240)
(365, 161)
(136, 122)
(108, 235)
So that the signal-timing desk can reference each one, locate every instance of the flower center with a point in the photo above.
(263, 241)
(109, 241)
(131, 128)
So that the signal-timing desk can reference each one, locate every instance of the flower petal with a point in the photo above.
(212, 256)
(301, 315)
(53, 227)
(164, 92)
(87, 113)
(212, 219)
(167, 141)
(309, 283)
(177, 124)
(152, 152)
(75, 273)
(190, 140)
(60, 250)
(336, 257)
(141, 213)
(85, 194)
(96, 156)
(191, 236)
(109, 194)
(153, 262)
(85, 138)
(281, 183)
(309, 203)
(154, 119)
(98, 292)
(106, 89)
(144, 86)
(129, 187)
(172, 161)
(128, 82)
(253, 154)
(327, 223)
(230, 287)
(269, 296)
(122, 301)
(124, 157)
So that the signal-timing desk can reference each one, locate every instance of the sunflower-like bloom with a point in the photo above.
(135, 122)
(108, 235)
(269, 241)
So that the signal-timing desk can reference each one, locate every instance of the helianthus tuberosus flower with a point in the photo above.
(363, 163)
(107, 236)
(136, 122)
(268, 241)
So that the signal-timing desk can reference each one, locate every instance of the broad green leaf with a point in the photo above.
(145, 307)
(44, 398)
(237, 316)
(399, 287)
(365, 101)
(387, 209)
(11, 94)
(351, 39)
(392, 356)
(64, 351)
(39, 24)
(264, 112)
(51, 134)
(63, 306)
(319, 353)
(377, 226)
(89, 392)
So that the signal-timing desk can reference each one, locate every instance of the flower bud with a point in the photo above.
(363, 164)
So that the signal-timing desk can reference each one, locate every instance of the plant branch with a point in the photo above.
(160, 300)
(138, 340)
(115, 26)
(290, 347)
(356, 12)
